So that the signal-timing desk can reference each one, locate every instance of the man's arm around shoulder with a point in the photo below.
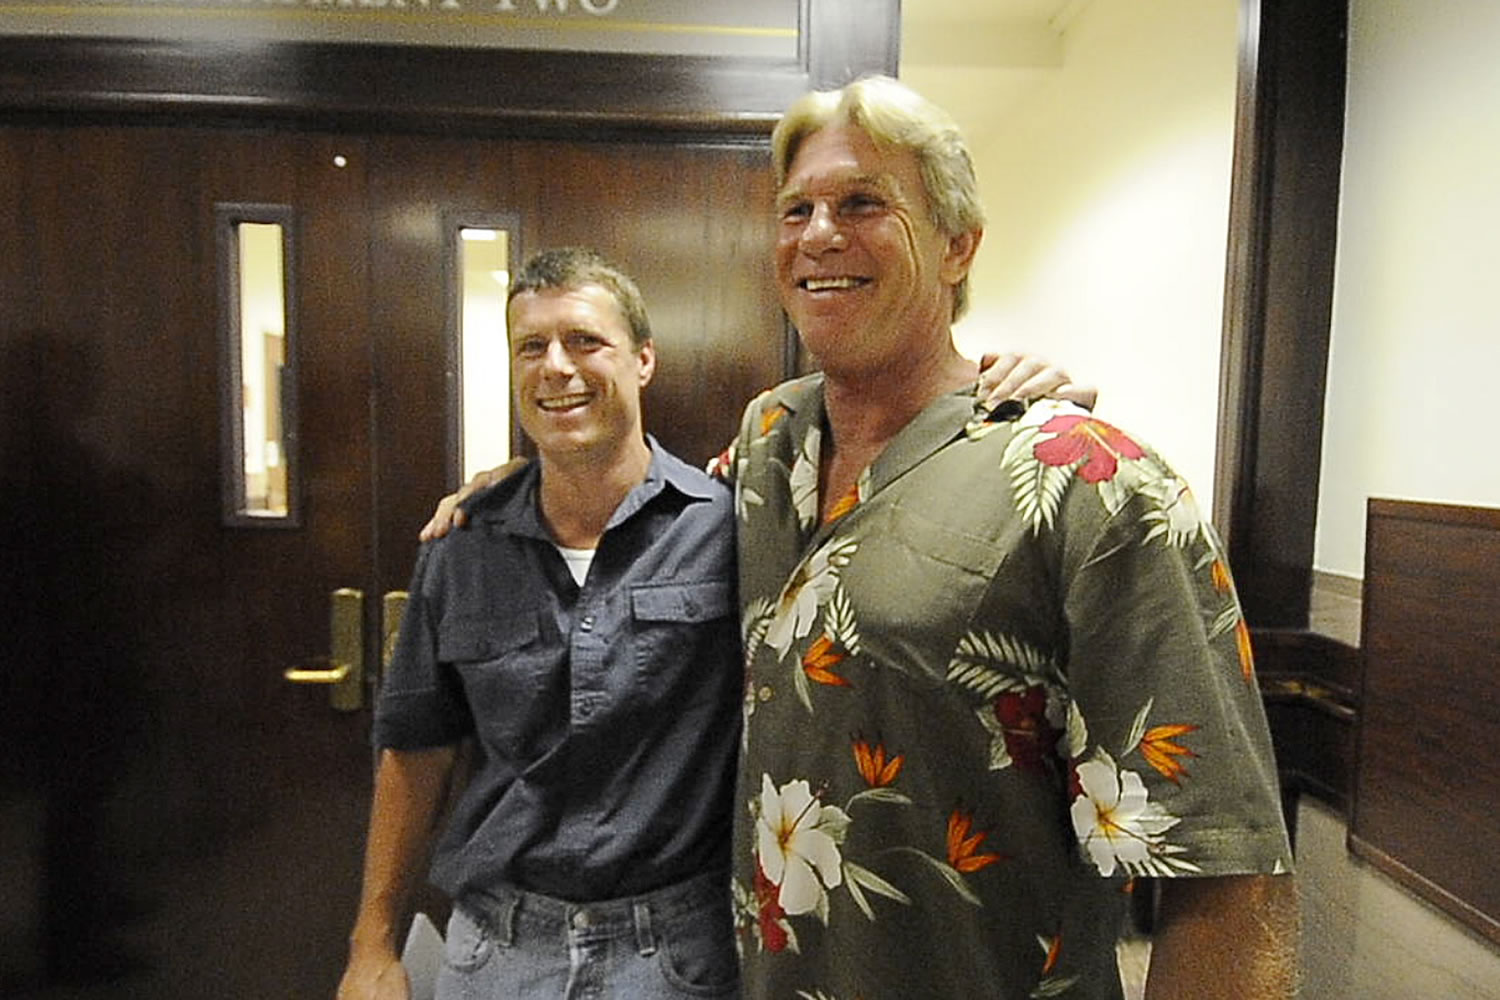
(411, 787)
(1225, 938)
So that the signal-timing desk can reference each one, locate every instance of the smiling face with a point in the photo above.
(577, 376)
(864, 273)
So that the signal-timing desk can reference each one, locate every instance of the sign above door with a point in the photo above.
(573, 68)
(767, 29)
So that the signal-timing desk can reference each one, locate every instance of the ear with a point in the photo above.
(960, 255)
(646, 355)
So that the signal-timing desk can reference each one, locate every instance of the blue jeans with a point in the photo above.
(669, 944)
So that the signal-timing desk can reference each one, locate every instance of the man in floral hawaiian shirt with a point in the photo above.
(996, 667)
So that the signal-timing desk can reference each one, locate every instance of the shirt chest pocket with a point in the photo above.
(509, 683)
(474, 640)
(674, 624)
(915, 584)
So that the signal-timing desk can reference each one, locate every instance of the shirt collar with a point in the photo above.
(512, 506)
(934, 427)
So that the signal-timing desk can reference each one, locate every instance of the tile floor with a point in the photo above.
(1364, 937)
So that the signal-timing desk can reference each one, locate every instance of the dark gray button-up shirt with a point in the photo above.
(606, 716)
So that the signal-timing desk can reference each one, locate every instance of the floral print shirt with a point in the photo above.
(1007, 675)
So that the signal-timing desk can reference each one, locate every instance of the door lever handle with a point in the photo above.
(308, 675)
(392, 607)
(345, 673)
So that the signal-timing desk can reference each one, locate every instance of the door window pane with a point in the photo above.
(483, 351)
(257, 374)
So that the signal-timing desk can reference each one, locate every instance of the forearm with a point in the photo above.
(1232, 938)
(410, 790)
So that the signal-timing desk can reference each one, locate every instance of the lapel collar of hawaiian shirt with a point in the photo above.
(802, 399)
(943, 420)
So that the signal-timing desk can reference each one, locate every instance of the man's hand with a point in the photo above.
(380, 978)
(450, 515)
(411, 788)
(1021, 376)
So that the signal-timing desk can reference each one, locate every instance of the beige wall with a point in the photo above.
(1415, 364)
(1105, 173)
(1106, 182)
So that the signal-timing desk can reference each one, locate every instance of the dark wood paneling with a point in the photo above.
(359, 86)
(690, 221)
(1424, 797)
(1278, 299)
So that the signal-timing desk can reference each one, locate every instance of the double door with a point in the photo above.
(184, 821)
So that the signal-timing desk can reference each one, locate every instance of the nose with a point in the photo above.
(557, 360)
(821, 231)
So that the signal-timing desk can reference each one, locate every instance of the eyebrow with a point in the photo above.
(880, 182)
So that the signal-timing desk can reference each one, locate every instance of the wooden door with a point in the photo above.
(192, 821)
(184, 822)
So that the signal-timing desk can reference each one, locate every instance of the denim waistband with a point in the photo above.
(511, 912)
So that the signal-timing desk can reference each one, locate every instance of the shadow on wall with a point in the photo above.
(70, 680)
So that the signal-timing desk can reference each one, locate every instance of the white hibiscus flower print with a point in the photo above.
(805, 594)
(804, 479)
(1119, 826)
(797, 839)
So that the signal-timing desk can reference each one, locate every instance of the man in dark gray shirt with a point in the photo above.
(583, 636)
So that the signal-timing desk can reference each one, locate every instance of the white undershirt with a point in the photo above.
(578, 561)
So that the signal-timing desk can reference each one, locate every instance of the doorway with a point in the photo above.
(186, 822)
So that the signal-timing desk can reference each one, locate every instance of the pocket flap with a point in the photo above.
(467, 639)
(681, 602)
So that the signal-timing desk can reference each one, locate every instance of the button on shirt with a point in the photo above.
(606, 716)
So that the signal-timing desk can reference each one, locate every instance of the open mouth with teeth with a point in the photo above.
(832, 284)
(558, 403)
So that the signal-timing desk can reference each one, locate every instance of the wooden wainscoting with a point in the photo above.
(1426, 786)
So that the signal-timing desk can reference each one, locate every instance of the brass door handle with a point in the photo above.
(306, 675)
(392, 607)
(345, 673)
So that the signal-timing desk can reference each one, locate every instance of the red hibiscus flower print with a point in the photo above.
(722, 463)
(1098, 445)
(772, 916)
(1029, 737)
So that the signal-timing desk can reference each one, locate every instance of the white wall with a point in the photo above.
(1415, 359)
(1107, 190)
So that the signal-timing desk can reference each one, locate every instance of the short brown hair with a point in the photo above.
(571, 267)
